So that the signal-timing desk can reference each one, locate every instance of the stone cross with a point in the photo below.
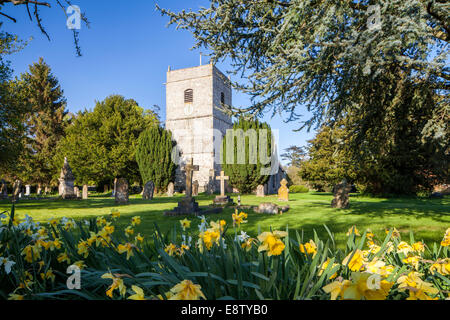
(190, 168)
(222, 179)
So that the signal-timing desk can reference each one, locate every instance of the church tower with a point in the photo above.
(193, 115)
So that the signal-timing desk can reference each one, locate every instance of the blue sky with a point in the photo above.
(126, 51)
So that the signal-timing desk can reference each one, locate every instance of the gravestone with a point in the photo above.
(76, 190)
(114, 188)
(209, 187)
(66, 182)
(283, 192)
(341, 195)
(85, 192)
(27, 190)
(17, 186)
(149, 189)
(260, 192)
(122, 192)
(195, 188)
(170, 189)
(222, 199)
(3, 190)
(105, 188)
(187, 204)
(270, 208)
(39, 190)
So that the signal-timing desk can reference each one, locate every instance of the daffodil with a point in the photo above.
(441, 266)
(308, 248)
(186, 290)
(117, 284)
(353, 230)
(418, 288)
(247, 244)
(325, 266)
(129, 231)
(115, 213)
(354, 261)
(138, 239)
(171, 249)
(412, 260)
(271, 243)
(48, 275)
(7, 264)
(101, 221)
(358, 288)
(135, 221)
(139, 293)
(185, 224)
(128, 248)
(83, 248)
(238, 219)
(418, 247)
(14, 296)
(80, 264)
(63, 257)
(404, 247)
(209, 237)
(446, 241)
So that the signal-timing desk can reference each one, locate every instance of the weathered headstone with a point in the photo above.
(270, 208)
(341, 195)
(210, 185)
(260, 192)
(283, 192)
(66, 182)
(76, 190)
(187, 204)
(122, 192)
(222, 199)
(170, 189)
(105, 188)
(195, 188)
(3, 190)
(85, 192)
(39, 190)
(27, 190)
(149, 189)
(17, 186)
(114, 188)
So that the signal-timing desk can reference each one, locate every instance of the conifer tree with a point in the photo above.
(246, 167)
(46, 122)
(154, 157)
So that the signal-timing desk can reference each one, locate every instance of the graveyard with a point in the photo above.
(427, 218)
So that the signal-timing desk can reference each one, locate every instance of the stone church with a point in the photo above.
(193, 115)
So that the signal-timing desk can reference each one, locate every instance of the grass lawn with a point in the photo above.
(427, 218)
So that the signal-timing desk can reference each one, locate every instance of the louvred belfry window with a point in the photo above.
(222, 98)
(189, 96)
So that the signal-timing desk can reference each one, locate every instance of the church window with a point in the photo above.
(189, 96)
(222, 98)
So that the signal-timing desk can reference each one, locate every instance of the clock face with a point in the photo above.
(188, 109)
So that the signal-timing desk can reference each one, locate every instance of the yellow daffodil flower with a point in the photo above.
(139, 293)
(308, 248)
(135, 221)
(270, 242)
(185, 224)
(117, 284)
(441, 266)
(186, 290)
(357, 261)
(354, 231)
(128, 248)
